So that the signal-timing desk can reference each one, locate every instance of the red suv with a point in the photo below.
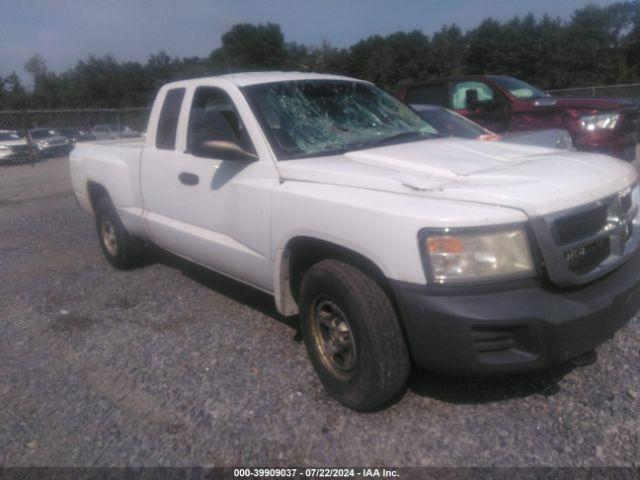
(506, 104)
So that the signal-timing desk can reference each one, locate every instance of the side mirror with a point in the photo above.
(222, 149)
(471, 98)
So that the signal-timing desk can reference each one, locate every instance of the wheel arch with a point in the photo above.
(301, 252)
(96, 191)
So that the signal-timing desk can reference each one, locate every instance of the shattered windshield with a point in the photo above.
(323, 117)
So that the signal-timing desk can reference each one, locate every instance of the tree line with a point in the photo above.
(596, 46)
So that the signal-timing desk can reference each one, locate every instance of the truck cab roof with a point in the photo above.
(254, 78)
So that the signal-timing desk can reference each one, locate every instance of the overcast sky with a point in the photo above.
(65, 31)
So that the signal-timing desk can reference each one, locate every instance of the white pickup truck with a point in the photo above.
(392, 243)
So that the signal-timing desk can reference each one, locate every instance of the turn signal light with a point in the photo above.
(444, 244)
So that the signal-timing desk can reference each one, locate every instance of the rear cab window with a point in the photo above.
(168, 121)
(459, 94)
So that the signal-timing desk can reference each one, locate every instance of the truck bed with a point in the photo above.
(138, 142)
(114, 164)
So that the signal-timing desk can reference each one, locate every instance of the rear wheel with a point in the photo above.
(121, 249)
(352, 335)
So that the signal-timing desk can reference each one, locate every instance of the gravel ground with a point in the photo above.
(172, 365)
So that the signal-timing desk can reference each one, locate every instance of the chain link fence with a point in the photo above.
(629, 91)
(28, 136)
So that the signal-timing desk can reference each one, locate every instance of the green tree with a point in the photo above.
(598, 45)
(549, 66)
(592, 56)
(36, 66)
(15, 94)
(328, 59)
(391, 59)
(250, 47)
(446, 56)
(626, 20)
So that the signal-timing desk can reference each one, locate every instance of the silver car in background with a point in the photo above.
(451, 124)
(14, 148)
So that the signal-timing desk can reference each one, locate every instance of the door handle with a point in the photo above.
(188, 178)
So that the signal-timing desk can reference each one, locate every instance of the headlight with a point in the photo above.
(601, 121)
(475, 255)
(42, 144)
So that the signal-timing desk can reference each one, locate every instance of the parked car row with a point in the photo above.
(113, 131)
(74, 134)
(486, 107)
(18, 147)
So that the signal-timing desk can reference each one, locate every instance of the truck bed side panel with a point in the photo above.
(115, 166)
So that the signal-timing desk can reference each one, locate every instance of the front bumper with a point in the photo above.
(520, 328)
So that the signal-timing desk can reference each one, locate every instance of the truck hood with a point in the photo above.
(536, 180)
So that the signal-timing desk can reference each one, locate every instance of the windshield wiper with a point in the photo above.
(373, 143)
(402, 136)
(388, 140)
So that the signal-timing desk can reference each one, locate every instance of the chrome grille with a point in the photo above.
(583, 243)
(581, 225)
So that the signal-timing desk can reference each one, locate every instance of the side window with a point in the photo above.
(168, 121)
(215, 124)
(428, 95)
(459, 93)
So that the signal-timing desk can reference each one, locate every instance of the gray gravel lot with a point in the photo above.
(172, 365)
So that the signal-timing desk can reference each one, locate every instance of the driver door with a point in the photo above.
(212, 209)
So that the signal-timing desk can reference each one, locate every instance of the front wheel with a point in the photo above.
(353, 336)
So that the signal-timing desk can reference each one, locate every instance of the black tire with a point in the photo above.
(377, 370)
(121, 249)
